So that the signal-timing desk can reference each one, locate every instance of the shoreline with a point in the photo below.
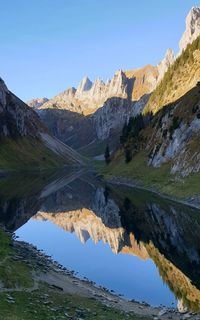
(193, 203)
(59, 278)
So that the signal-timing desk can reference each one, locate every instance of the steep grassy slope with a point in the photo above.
(174, 133)
(180, 78)
(24, 296)
(27, 154)
(166, 153)
(144, 80)
(24, 141)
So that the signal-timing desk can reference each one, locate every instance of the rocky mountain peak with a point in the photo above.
(192, 28)
(36, 103)
(169, 56)
(165, 63)
(118, 84)
(70, 92)
(3, 91)
(97, 89)
(84, 85)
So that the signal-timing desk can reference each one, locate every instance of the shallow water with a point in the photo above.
(127, 240)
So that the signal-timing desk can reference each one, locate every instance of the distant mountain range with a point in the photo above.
(94, 113)
(97, 111)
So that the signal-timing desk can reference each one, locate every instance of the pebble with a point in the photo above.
(10, 301)
(186, 316)
(162, 312)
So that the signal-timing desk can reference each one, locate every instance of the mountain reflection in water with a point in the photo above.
(131, 222)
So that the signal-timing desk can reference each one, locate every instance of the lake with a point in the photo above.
(133, 242)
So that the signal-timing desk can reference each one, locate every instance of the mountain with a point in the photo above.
(92, 116)
(95, 112)
(36, 103)
(192, 28)
(175, 102)
(165, 64)
(25, 141)
(89, 117)
(165, 152)
(161, 147)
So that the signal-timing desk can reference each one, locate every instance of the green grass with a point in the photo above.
(94, 149)
(156, 179)
(15, 274)
(47, 304)
(12, 273)
(44, 303)
(99, 165)
(4, 247)
(180, 77)
(26, 154)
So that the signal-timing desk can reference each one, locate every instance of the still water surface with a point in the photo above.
(126, 274)
(132, 242)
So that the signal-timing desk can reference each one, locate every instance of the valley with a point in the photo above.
(99, 182)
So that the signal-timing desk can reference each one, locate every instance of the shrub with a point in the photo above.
(128, 155)
(107, 155)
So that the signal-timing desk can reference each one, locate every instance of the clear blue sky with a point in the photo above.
(49, 45)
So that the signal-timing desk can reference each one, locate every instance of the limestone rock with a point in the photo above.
(84, 85)
(165, 63)
(192, 28)
(96, 110)
(19, 120)
(3, 91)
(36, 103)
(144, 80)
(175, 138)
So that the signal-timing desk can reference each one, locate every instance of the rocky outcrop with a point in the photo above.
(36, 103)
(19, 120)
(101, 109)
(84, 85)
(165, 63)
(97, 111)
(144, 80)
(114, 113)
(3, 92)
(88, 96)
(192, 28)
(175, 136)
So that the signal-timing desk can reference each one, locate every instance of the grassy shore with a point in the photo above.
(49, 304)
(24, 295)
(155, 179)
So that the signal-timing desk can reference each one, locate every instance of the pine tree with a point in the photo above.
(124, 134)
(107, 155)
(128, 155)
